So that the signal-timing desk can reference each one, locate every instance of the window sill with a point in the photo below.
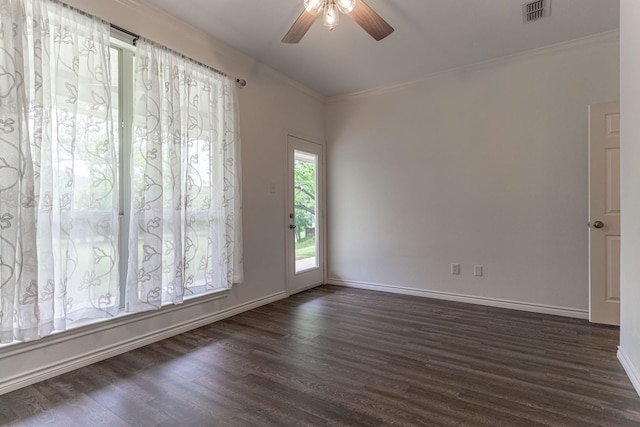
(92, 326)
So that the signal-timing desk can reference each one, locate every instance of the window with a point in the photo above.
(119, 173)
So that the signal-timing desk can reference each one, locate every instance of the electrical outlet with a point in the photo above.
(477, 270)
(455, 269)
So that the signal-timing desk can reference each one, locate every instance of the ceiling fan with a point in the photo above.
(357, 10)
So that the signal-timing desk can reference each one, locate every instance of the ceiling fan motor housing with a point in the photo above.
(315, 6)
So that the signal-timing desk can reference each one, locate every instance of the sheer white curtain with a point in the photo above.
(58, 170)
(185, 235)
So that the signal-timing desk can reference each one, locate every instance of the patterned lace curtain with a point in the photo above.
(58, 170)
(185, 236)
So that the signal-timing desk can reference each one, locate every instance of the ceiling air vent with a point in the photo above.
(535, 10)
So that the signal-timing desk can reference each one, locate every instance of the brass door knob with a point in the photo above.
(598, 224)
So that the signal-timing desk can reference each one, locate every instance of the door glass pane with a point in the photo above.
(305, 172)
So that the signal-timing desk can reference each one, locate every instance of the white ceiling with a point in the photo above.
(430, 36)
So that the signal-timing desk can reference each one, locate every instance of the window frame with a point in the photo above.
(126, 52)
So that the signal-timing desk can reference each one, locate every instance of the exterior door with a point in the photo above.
(305, 215)
(604, 213)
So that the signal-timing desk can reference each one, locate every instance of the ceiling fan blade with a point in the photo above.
(300, 27)
(368, 19)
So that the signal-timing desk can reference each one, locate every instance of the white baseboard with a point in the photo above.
(305, 288)
(492, 302)
(63, 366)
(630, 369)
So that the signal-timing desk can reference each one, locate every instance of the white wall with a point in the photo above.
(480, 165)
(629, 352)
(270, 105)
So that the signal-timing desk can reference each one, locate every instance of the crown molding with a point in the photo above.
(608, 36)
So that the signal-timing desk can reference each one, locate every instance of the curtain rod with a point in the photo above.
(239, 82)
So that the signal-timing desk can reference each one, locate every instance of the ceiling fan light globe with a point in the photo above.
(346, 6)
(313, 6)
(331, 16)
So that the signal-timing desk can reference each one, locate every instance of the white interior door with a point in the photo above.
(305, 215)
(604, 213)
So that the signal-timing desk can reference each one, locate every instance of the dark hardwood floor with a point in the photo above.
(338, 356)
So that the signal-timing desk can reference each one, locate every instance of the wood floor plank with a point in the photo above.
(345, 357)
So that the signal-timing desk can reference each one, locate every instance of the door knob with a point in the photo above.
(292, 226)
(598, 224)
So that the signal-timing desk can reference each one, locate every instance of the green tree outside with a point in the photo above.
(305, 208)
